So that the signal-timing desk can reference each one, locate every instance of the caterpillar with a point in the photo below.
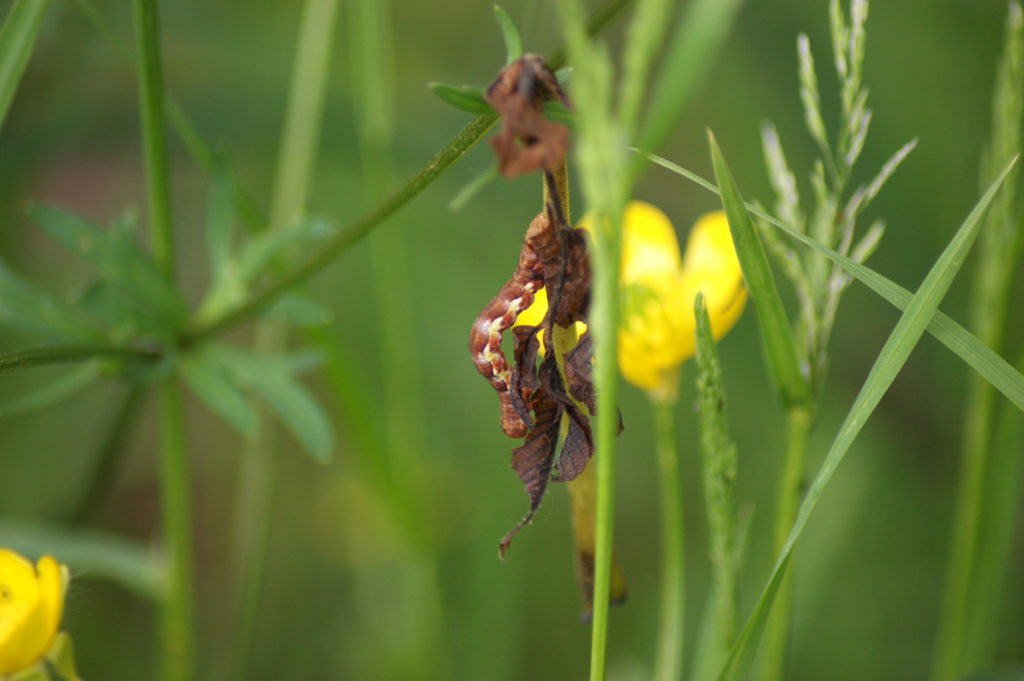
(498, 316)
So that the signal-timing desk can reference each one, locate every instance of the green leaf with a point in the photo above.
(17, 38)
(110, 306)
(556, 111)
(27, 308)
(270, 377)
(510, 34)
(964, 344)
(220, 216)
(299, 310)
(779, 345)
(215, 387)
(468, 98)
(97, 553)
(894, 354)
(119, 260)
(267, 247)
(50, 393)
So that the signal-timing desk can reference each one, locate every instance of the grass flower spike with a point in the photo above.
(31, 602)
(657, 328)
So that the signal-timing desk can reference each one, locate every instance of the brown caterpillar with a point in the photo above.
(497, 317)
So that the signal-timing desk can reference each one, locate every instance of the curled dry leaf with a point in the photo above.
(527, 140)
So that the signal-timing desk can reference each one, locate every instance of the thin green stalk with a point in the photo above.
(965, 638)
(773, 653)
(154, 141)
(1003, 489)
(176, 621)
(296, 161)
(64, 354)
(668, 665)
(604, 321)
(17, 37)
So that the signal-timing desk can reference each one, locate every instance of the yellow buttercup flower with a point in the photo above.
(656, 330)
(31, 603)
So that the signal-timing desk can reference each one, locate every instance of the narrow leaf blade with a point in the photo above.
(26, 307)
(220, 216)
(287, 398)
(17, 38)
(510, 34)
(119, 260)
(776, 334)
(213, 385)
(464, 98)
(52, 392)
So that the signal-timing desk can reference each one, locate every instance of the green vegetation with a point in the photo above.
(211, 263)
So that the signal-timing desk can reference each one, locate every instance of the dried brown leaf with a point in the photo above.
(527, 141)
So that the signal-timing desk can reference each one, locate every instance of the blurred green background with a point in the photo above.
(348, 594)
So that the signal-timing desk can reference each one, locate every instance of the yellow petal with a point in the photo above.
(52, 583)
(656, 330)
(649, 243)
(533, 315)
(710, 265)
(30, 608)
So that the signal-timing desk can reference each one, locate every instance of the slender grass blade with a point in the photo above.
(779, 345)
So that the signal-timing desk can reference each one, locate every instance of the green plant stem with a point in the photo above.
(966, 634)
(176, 620)
(154, 141)
(668, 665)
(604, 318)
(999, 517)
(65, 354)
(17, 37)
(773, 651)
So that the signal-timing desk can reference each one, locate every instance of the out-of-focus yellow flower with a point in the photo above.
(656, 329)
(656, 332)
(31, 603)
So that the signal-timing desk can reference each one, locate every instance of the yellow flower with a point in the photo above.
(656, 330)
(31, 602)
